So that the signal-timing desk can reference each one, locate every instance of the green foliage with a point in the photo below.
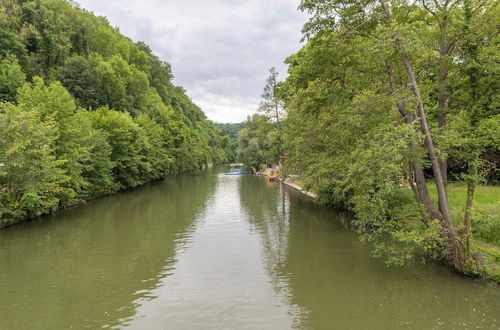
(9, 44)
(136, 126)
(229, 133)
(255, 142)
(55, 104)
(97, 167)
(486, 226)
(31, 176)
(491, 256)
(347, 139)
(410, 242)
(128, 144)
(79, 76)
(231, 129)
(11, 78)
(156, 148)
(271, 105)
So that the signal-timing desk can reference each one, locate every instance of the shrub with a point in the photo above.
(486, 226)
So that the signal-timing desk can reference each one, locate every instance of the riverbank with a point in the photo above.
(9, 222)
(179, 254)
(486, 223)
(485, 238)
(486, 233)
(291, 183)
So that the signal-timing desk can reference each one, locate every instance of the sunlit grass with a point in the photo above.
(486, 198)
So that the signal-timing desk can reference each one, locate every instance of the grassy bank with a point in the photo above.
(485, 222)
(486, 219)
(486, 198)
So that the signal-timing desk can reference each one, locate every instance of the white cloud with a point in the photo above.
(220, 50)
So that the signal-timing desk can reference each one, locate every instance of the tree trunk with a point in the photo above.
(471, 186)
(452, 240)
(443, 91)
(421, 186)
(414, 189)
(472, 52)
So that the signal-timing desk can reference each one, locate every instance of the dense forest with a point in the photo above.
(85, 112)
(232, 130)
(392, 110)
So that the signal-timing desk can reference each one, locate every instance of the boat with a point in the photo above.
(271, 178)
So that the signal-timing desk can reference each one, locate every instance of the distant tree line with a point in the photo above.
(231, 129)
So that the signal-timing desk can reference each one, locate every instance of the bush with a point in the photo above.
(486, 226)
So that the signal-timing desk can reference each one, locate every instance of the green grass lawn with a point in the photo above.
(486, 200)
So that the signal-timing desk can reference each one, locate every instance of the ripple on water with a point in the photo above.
(220, 252)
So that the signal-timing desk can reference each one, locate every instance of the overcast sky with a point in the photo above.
(220, 50)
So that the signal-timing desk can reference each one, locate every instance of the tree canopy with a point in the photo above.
(389, 94)
(85, 111)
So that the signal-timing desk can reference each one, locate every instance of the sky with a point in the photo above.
(220, 50)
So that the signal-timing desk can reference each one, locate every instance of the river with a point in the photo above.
(211, 251)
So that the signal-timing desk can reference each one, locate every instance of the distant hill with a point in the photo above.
(231, 129)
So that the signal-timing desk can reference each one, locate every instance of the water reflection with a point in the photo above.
(331, 281)
(87, 266)
(220, 252)
(220, 281)
(267, 206)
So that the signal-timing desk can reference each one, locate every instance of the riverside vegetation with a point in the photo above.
(391, 93)
(85, 112)
(382, 93)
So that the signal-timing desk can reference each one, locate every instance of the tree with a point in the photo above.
(30, 173)
(127, 141)
(271, 105)
(11, 78)
(137, 125)
(157, 153)
(73, 145)
(9, 44)
(79, 76)
(337, 87)
(253, 141)
(471, 134)
(97, 166)
(443, 15)
(230, 129)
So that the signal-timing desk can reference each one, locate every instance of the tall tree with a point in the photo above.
(327, 86)
(29, 169)
(253, 141)
(442, 13)
(271, 105)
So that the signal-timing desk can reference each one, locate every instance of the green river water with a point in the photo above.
(211, 251)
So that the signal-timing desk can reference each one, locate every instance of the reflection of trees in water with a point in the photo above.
(331, 281)
(95, 261)
(293, 232)
(268, 215)
(336, 280)
(267, 206)
(296, 235)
